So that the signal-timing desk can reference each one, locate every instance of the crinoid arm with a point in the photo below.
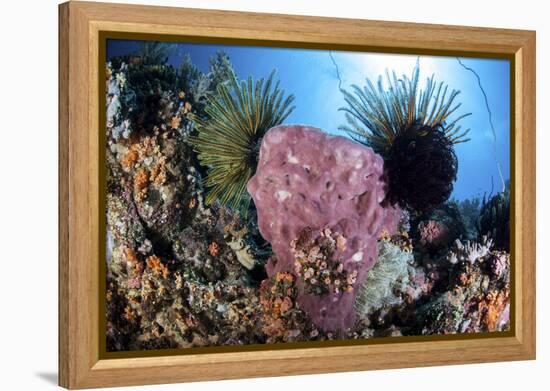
(378, 112)
(414, 130)
(237, 117)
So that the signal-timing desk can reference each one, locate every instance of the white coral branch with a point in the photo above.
(470, 251)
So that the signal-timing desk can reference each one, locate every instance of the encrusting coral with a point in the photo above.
(411, 129)
(433, 233)
(447, 220)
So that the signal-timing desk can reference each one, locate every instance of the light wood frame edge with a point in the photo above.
(79, 363)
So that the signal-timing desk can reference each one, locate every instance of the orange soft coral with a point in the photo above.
(158, 173)
(492, 307)
(175, 122)
(155, 264)
(214, 249)
(141, 182)
(129, 159)
(277, 297)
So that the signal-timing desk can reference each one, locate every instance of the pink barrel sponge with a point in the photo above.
(308, 180)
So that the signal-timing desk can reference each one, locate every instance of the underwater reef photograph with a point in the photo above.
(266, 195)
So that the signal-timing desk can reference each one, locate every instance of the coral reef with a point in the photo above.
(465, 290)
(494, 220)
(163, 309)
(308, 180)
(330, 248)
(318, 262)
(282, 320)
(118, 97)
(499, 263)
(152, 52)
(470, 251)
(480, 299)
(469, 211)
(175, 266)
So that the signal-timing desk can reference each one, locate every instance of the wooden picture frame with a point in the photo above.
(80, 27)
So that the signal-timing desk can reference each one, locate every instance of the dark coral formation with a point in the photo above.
(468, 210)
(494, 220)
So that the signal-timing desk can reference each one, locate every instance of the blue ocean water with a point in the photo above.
(314, 77)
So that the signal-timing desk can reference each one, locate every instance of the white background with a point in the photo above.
(28, 194)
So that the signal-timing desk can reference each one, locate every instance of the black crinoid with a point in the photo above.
(410, 128)
(421, 167)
